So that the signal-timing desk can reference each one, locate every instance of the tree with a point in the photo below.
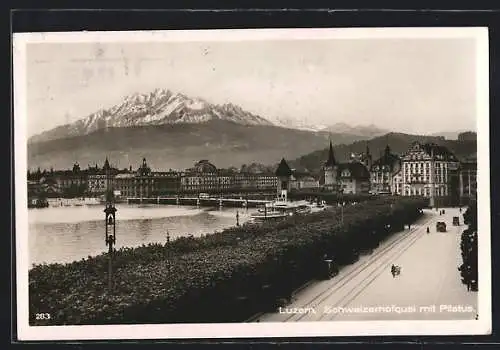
(470, 215)
(110, 196)
(469, 249)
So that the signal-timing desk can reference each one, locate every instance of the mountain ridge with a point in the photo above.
(161, 106)
(370, 130)
(398, 143)
(178, 146)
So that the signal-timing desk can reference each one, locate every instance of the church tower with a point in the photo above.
(331, 171)
(284, 175)
(106, 166)
(368, 158)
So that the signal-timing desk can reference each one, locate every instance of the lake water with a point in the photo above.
(65, 234)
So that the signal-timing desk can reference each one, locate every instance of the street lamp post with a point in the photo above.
(341, 192)
(110, 213)
(110, 228)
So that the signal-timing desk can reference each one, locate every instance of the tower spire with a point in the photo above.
(331, 157)
(106, 164)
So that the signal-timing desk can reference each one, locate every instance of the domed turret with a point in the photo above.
(144, 169)
(204, 166)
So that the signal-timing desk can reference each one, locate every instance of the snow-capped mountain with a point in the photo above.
(362, 130)
(292, 123)
(158, 107)
(338, 128)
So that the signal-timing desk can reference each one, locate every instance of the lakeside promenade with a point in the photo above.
(428, 288)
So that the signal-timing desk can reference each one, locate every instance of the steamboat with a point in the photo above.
(282, 208)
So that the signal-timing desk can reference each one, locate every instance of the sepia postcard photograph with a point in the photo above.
(252, 183)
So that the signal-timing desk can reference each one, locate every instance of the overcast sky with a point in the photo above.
(410, 85)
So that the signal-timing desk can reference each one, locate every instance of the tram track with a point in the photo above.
(378, 270)
(338, 284)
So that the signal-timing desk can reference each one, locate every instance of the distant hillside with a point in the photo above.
(467, 136)
(398, 142)
(452, 135)
(178, 146)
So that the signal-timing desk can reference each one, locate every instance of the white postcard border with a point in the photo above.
(253, 330)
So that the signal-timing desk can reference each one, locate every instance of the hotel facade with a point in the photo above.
(428, 170)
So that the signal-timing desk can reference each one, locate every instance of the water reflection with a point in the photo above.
(65, 234)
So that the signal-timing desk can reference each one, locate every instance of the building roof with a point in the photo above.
(165, 173)
(439, 151)
(357, 170)
(124, 176)
(144, 169)
(387, 159)
(283, 169)
(298, 174)
(204, 166)
(306, 178)
(436, 152)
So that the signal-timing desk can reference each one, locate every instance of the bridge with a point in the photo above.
(200, 201)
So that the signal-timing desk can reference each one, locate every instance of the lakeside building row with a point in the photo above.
(427, 170)
(203, 177)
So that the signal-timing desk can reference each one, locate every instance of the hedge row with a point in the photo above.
(330, 198)
(223, 277)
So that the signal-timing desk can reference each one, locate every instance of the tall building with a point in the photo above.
(200, 178)
(303, 181)
(367, 158)
(145, 183)
(468, 180)
(352, 177)
(284, 174)
(70, 182)
(429, 170)
(382, 172)
(331, 169)
(97, 178)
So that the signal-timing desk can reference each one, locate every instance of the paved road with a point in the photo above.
(428, 287)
